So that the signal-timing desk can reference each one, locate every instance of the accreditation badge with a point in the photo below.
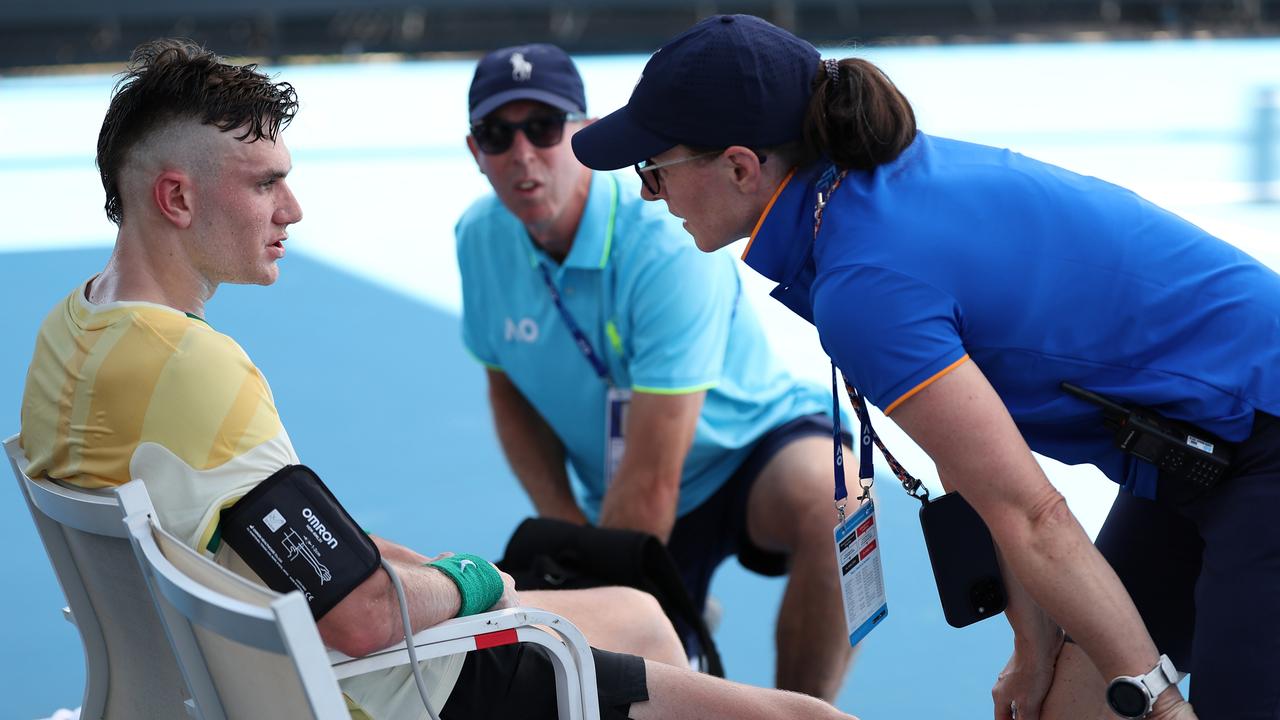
(861, 575)
(617, 404)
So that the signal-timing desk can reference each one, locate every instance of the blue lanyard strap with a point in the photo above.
(827, 185)
(579, 337)
(842, 493)
(866, 471)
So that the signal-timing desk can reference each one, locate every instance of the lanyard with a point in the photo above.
(910, 483)
(579, 337)
(827, 185)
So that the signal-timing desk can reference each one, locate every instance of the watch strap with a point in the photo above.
(1160, 678)
(1154, 682)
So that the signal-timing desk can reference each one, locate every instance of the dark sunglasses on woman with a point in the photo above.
(543, 130)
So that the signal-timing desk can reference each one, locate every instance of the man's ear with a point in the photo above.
(475, 152)
(172, 192)
(746, 167)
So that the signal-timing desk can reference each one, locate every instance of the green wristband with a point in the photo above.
(479, 583)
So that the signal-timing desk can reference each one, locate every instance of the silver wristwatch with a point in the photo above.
(1133, 697)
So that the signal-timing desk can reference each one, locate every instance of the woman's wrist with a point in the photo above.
(1040, 639)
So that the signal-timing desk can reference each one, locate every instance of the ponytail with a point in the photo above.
(858, 118)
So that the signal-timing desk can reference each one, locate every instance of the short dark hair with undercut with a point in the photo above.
(169, 80)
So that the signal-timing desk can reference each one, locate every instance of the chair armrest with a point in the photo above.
(565, 643)
(490, 629)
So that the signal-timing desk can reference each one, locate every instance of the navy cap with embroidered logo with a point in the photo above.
(728, 80)
(540, 72)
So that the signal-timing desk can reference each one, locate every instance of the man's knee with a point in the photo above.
(633, 603)
(790, 506)
(646, 631)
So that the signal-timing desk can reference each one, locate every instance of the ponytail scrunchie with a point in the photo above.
(833, 69)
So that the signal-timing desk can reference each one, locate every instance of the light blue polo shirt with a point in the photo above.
(957, 252)
(664, 316)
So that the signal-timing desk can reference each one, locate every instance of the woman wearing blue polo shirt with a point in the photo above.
(958, 287)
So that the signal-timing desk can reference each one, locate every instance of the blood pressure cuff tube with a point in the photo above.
(293, 533)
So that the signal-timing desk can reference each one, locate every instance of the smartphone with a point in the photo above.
(964, 562)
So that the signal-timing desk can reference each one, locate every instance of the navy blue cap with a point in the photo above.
(729, 80)
(526, 72)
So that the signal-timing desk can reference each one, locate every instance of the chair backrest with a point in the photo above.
(245, 650)
(129, 667)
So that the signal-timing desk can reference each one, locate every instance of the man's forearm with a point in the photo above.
(645, 492)
(533, 451)
(540, 469)
(644, 499)
(394, 551)
(368, 619)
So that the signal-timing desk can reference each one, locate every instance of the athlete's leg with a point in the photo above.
(679, 694)
(790, 511)
(619, 619)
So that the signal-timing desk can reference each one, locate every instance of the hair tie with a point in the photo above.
(833, 69)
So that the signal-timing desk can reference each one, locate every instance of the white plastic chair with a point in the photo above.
(247, 651)
(130, 670)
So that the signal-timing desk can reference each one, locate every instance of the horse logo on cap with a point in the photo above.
(521, 69)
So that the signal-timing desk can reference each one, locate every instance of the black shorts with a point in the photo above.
(717, 529)
(519, 681)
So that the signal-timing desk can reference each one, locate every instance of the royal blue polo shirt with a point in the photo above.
(663, 316)
(956, 252)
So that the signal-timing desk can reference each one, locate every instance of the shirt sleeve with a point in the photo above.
(474, 312)
(889, 333)
(681, 304)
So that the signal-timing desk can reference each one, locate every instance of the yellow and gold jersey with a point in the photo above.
(137, 390)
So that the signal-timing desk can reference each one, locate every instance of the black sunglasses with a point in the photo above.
(495, 136)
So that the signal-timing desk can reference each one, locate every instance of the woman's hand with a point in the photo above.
(1021, 687)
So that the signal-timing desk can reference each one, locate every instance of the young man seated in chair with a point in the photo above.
(128, 380)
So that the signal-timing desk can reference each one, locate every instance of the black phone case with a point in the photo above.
(964, 562)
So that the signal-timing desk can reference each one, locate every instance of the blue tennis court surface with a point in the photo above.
(360, 337)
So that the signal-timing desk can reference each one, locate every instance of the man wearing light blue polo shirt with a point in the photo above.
(620, 356)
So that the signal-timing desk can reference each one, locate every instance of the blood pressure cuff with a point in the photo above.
(292, 532)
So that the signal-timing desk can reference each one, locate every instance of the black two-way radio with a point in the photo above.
(1179, 450)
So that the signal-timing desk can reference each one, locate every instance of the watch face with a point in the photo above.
(1127, 698)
